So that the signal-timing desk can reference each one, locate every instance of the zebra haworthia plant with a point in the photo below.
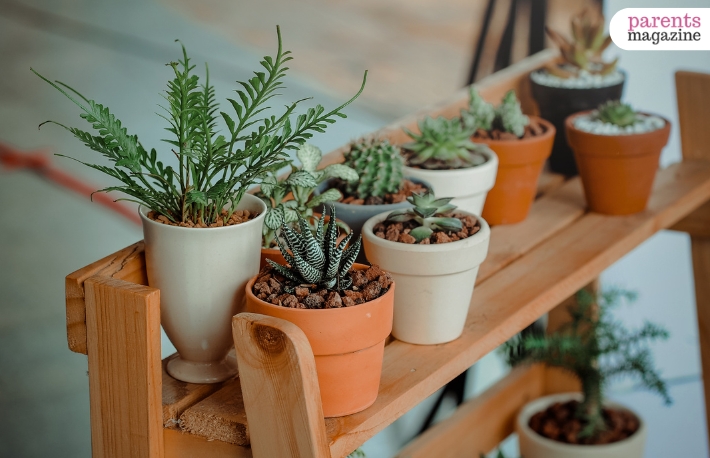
(430, 213)
(212, 171)
(316, 258)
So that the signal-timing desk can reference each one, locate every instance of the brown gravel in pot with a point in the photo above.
(238, 217)
(533, 129)
(399, 232)
(368, 284)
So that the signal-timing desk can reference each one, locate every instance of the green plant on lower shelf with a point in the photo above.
(595, 348)
(316, 258)
(379, 165)
(358, 453)
(213, 171)
(444, 144)
(617, 113)
(301, 184)
(430, 213)
(508, 116)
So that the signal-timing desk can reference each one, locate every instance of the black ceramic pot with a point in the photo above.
(556, 103)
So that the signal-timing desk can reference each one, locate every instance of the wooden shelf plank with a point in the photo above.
(516, 296)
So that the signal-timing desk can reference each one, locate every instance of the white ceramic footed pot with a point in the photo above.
(434, 282)
(468, 186)
(201, 274)
(533, 445)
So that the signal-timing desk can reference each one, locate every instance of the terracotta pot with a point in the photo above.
(275, 254)
(348, 344)
(533, 445)
(434, 282)
(556, 103)
(467, 186)
(617, 170)
(201, 274)
(519, 165)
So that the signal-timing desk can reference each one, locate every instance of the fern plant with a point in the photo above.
(444, 144)
(380, 167)
(595, 348)
(213, 170)
(316, 258)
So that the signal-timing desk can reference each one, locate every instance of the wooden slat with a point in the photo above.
(178, 395)
(693, 96)
(513, 298)
(183, 445)
(219, 417)
(277, 371)
(697, 223)
(482, 423)
(700, 249)
(123, 330)
(127, 264)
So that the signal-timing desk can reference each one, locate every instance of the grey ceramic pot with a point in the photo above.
(356, 215)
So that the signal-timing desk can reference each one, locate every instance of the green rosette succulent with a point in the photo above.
(617, 113)
(430, 213)
(444, 144)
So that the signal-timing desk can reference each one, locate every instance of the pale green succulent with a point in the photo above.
(479, 112)
(617, 113)
(510, 115)
(379, 165)
(301, 183)
(444, 144)
(430, 213)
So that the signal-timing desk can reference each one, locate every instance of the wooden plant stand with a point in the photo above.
(273, 408)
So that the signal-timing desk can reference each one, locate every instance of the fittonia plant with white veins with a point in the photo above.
(430, 213)
(213, 170)
(301, 183)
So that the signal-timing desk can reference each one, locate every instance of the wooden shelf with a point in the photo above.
(531, 267)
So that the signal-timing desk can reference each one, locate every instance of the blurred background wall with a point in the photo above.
(418, 52)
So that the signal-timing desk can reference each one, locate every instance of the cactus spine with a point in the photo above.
(379, 165)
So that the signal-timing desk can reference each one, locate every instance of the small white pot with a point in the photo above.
(434, 282)
(201, 274)
(467, 186)
(533, 445)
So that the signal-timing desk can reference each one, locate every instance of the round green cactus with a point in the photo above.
(379, 165)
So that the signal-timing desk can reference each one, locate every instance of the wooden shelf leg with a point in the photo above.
(701, 269)
(282, 400)
(123, 345)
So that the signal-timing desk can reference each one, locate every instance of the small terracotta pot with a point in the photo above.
(617, 170)
(348, 344)
(520, 163)
(275, 254)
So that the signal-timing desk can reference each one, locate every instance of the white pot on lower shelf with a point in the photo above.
(533, 445)
(201, 274)
(434, 282)
(468, 186)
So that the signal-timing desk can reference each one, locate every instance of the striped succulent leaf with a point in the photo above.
(316, 258)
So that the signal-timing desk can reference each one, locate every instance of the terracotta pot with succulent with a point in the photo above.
(594, 347)
(202, 231)
(345, 310)
(296, 196)
(522, 145)
(617, 150)
(580, 81)
(433, 253)
(443, 155)
(381, 185)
